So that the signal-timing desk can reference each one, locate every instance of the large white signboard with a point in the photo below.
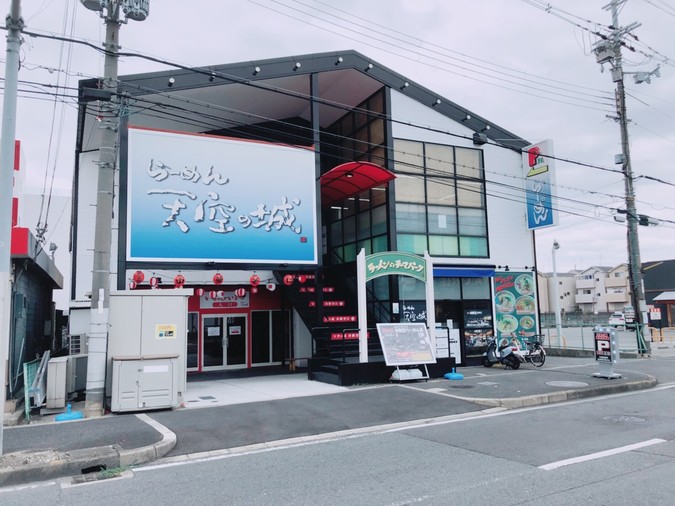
(206, 198)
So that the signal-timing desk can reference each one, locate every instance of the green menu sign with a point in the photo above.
(515, 306)
(395, 262)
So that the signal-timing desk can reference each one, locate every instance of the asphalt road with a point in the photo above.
(606, 450)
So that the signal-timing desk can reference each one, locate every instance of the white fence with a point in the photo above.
(581, 338)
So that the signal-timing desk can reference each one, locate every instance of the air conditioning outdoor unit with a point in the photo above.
(65, 377)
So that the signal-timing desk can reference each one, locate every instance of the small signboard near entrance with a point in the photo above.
(405, 343)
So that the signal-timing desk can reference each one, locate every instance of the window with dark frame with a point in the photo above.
(440, 199)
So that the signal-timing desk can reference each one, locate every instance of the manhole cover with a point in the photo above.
(624, 419)
(567, 384)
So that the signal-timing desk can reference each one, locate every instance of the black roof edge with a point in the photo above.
(273, 68)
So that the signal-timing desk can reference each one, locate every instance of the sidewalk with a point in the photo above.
(236, 414)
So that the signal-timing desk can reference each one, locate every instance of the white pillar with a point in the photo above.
(431, 303)
(558, 323)
(362, 306)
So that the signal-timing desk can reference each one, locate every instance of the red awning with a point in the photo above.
(350, 179)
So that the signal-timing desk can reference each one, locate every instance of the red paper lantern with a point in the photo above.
(139, 277)
(302, 278)
(240, 292)
(213, 294)
(217, 278)
(154, 282)
(271, 287)
(179, 281)
(254, 280)
(199, 292)
(288, 279)
(132, 285)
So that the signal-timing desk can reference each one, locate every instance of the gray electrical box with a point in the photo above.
(146, 349)
(65, 377)
(141, 383)
(57, 389)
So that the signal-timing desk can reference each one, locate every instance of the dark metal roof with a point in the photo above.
(253, 88)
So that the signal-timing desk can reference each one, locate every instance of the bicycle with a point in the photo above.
(536, 354)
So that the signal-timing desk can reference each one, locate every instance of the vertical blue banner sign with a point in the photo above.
(540, 185)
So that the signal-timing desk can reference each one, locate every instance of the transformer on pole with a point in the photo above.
(609, 51)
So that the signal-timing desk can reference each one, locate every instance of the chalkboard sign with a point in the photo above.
(405, 343)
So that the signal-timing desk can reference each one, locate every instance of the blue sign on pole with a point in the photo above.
(539, 185)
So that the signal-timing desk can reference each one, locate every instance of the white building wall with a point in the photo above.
(546, 302)
(568, 290)
(600, 292)
(86, 225)
(86, 219)
(510, 242)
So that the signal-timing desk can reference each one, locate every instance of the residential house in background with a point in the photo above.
(617, 288)
(590, 290)
(604, 290)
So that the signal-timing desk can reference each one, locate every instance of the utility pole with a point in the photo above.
(609, 51)
(14, 24)
(100, 287)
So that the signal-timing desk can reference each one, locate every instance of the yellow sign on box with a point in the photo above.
(165, 331)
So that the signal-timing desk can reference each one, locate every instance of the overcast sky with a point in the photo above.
(525, 69)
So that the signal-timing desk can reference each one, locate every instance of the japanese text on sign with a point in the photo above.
(394, 262)
(208, 206)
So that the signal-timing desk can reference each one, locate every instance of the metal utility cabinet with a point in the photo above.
(65, 376)
(146, 349)
(144, 383)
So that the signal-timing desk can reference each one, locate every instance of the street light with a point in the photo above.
(558, 323)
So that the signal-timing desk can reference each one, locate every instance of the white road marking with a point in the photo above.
(29, 486)
(599, 455)
(182, 460)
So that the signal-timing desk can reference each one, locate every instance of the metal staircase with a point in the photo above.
(328, 307)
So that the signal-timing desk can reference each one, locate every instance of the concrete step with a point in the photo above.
(13, 413)
(326, 377)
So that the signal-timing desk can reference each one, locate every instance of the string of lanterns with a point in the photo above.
(179, 282)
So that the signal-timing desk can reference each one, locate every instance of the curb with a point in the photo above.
(30, 466)
(564, 395)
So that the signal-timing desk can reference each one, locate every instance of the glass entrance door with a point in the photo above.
(224, 341)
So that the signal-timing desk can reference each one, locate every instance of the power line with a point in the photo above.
(443, 69)
(345, 106)
(551, 9)
(259, 85)
(421, 47)
(432, 173)
(664, 8)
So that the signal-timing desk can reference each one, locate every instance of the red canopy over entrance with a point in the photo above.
(350, 179)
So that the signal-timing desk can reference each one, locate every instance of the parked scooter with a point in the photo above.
(505, 354)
